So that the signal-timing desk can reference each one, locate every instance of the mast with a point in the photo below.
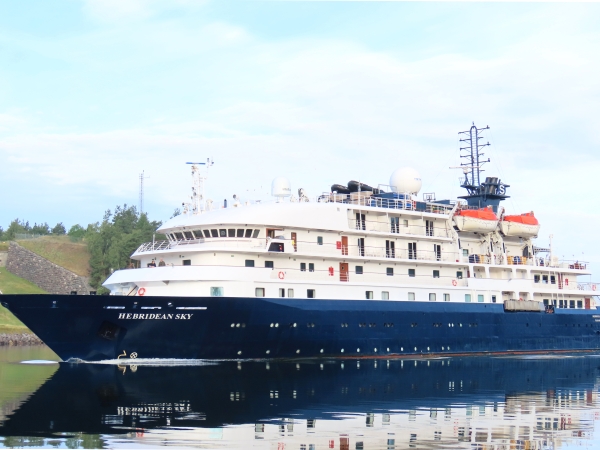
(197, 204)
(492, 190)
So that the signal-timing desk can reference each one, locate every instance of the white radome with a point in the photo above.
(406, 180)
(281, 187)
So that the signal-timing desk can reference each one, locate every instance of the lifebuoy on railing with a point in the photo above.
(454, 282)
(330, 271)
(566, 281)
(141, 291)
(593, 287)
(281, 275)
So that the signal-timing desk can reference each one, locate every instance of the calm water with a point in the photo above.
(466, 403)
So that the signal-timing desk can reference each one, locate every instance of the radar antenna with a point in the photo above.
(197, 205)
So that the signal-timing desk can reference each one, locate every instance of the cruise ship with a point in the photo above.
(358, 271)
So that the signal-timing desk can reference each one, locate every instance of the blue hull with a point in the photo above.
(104, 327)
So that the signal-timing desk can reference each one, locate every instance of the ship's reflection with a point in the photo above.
(446, 403)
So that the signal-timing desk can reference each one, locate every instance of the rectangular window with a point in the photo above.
(222, 232)
(446, 297)
(369, 295)
(255, 234)
(231, 232)
(429, 228)
(560, 303)
(459, 275)
(480, 298)
(302, 267)
(248, 233)
(187, 262)
(179, 236)
(260, 292)
(411, 272)
(385, 295)
(536, 278)
(552, 279)
(319, 240)
(579, 304)
(269, 264)
(411, 295)
(216, 292)
(282, 292)
(395, 224)
(249, 263)
(493, 299)
(290, 293)
(390, 249)
(311, 267)
(465, 251)
(360, 221)
(546, 302)
(571, 303)
(432, 297)
(389, 271)
(188, 235)
(412, 250)
(214, 233)
(436, 274)
(437, 251)
(361, 246)
(468, 298)
(310, 293)
(544, 279)
(358, 270)
(240, 233)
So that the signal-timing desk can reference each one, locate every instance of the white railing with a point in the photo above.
(366, 199)
(398, 228)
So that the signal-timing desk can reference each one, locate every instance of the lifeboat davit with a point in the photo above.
(476, 220)
(523, 225)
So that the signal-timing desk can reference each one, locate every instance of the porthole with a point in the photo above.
(240, 352)
(375, 350)
(342, 350)
(442, 348)
(415, 349)
(232, 325)
(401, 349)
(427, 348)
(276, 325)
(321, 351)
(294, 325)
(358, 350)
(272, 325)
(297, 351)
(268, 351)
(237, 325)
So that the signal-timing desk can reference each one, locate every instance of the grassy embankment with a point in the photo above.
(61, 251)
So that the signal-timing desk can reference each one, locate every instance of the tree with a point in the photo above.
(1, 234)
(16, 227)
(76, 232)
(176, 213)
(59, 229)
(112, 241)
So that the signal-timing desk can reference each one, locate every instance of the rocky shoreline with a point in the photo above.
(19, 339)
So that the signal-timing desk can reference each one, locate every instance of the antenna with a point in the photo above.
(197, 204)
(142, 177)
(472, 153)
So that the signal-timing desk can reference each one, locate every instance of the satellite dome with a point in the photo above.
(406, 180)
(280, 187)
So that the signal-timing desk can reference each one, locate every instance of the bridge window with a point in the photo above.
(222, 232)
(231, 232)
(206, 233)
(255, 234)
(179, 236)
(214, 233)
(248, 233)
(188, 235)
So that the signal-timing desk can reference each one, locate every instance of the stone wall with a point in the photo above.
(43, 273)
(3, 256)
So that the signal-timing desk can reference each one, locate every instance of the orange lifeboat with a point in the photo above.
(523, 225)
(482, 220)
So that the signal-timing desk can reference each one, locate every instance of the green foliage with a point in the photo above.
(16, 226)
(176, 212)
(112, 241)
(76, 233)
(42, 229)
(2, 234)
(59, 229)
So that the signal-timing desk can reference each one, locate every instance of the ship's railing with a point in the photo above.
(593, 288)
(399, 227)
(366, 199)
(215, 243)
(153, 246)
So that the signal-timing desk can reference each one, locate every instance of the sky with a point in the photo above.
(93, 92)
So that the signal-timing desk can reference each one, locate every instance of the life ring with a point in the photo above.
(281, 275)
(593, 287)
(331, 271)
(454, 282)
(141, 291)
(566, 281)
(520, 299)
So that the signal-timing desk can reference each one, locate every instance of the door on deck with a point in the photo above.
(344, 245)
(343, 271)
(587, 303)
(295, 241)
